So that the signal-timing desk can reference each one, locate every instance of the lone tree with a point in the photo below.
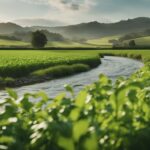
(39, 39)
(132, 43)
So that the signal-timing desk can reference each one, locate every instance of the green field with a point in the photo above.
(104, 42)
(5, 43)
(12, 43)
(67, 44)
(143, 41)
(22, 63)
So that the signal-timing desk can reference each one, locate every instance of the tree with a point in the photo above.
(39, 39)
(132, 43)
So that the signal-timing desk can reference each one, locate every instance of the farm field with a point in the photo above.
(21, 63)
(18, 63)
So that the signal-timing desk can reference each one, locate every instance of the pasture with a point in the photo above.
(143, 41)
(104, 41)
(9, 43)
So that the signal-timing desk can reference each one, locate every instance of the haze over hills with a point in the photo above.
(38, 22)
(86, 30)
(8, 28)
(96, 29)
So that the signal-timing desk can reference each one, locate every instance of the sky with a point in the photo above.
(74, 11)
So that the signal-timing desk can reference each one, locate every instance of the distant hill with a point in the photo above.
(26, 36)
(12, 31)
(91, 30)
(38, 22)
(8, 28)
(135, 35)
(96, 29)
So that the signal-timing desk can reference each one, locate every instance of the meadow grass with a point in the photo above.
(61, 71)
(136, 54)
(7, 43)
(22, 63)
(142, 41)
(67, 44)
(104, 41)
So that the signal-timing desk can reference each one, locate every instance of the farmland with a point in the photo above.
(47, 65)
(65, 44)
(18, 63)
(22, 63)
(114, 116)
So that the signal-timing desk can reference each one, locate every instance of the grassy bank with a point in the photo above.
(43, 75)
(102, 116)
(18, 67)
(26, 67)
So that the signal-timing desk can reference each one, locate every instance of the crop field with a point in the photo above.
(22, 63)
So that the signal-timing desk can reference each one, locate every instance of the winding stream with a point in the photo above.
(111, 66)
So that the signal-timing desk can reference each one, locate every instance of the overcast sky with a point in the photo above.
(74, 11)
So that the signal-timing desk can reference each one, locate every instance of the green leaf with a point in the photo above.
(12, 93)
(81, 99)
(80, 128)
(91, 143)
(66, 143)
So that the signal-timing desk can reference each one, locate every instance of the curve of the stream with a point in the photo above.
(111, 66)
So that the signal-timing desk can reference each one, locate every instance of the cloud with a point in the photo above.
(72, 5)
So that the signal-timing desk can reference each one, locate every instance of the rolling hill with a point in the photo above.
(96, 30)
(9, 28)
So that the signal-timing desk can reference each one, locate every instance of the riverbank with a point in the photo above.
(44, 75)
(114, 115)
(18, 68)
(111, 66)
(49, 65)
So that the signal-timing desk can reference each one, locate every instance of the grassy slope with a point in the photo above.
(8, 43)
(143, 41)
(12, 43)
(67, 44)
(103, 41)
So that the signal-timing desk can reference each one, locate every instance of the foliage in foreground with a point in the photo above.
(102, 116)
